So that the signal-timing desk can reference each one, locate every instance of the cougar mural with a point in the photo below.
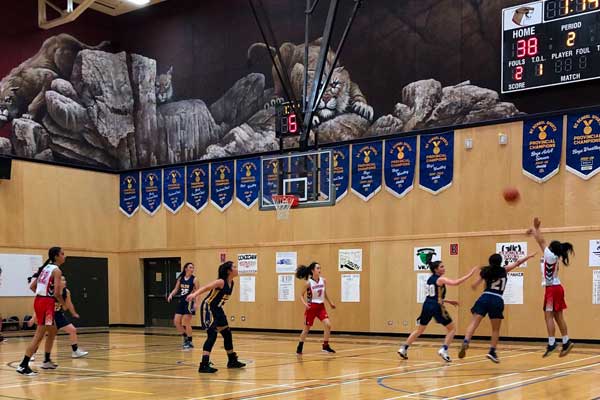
(22, 91)
(341, 96)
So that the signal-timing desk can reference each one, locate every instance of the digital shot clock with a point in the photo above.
(288, 119)
(551, 42)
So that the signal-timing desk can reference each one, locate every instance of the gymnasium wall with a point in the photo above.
(471, 213)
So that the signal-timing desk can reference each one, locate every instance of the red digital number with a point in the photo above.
(292, 124)
(518, 74)
(527, 47)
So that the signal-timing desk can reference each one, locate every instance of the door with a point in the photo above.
(87, 280)
(159, 280)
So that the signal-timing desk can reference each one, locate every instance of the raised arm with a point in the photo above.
(219, 283)
(174, 291)
(520, 261)
(536, 232)
(455, 282)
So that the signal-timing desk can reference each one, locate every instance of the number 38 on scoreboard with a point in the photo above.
(550, 42)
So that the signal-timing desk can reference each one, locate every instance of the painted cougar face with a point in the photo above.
(9, 108)
(336, 97)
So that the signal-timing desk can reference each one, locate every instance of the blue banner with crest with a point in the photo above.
(366, 169)
(247, 181)
(341, 172)
(399, 160)
(436, 162)
(271, 169)
(129, 193)
(174, 188)
(222, 175)
(151, 190)
(583, 144)
(542, 147)
(197, 184)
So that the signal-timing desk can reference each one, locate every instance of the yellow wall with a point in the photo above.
(471, 213)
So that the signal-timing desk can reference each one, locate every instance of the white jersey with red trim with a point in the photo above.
(549, 264)
(45, 282)
(316, 291)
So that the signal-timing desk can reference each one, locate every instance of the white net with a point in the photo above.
(283, 204)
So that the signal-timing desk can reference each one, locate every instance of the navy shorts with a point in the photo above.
(184, 308)
(213, 318)
(489, 304)
(434, 310)
(61, 319)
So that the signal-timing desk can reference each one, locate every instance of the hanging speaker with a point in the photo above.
(5, 167)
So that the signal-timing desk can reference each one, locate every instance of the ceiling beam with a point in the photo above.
(65, 17)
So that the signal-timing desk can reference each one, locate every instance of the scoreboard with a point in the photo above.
(288, 119)
(550, 42)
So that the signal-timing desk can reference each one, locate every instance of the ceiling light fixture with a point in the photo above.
(139, 2)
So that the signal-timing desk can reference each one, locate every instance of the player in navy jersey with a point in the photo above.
(434, 307)
(186, 284)
(554, 294)
(314, 305)
(62, 322)
(490, 303)
(213, 317)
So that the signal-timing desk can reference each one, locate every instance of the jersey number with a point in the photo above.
(319, 292)
(499, 284)
(430, 290)
(44, 277)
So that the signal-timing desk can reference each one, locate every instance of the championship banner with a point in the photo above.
(542, 145)
(247, 181)
(366, 169)
(129, 193)
(174, 188)
(271, 169)
(341, 172)
(151, 191)
(583, 144)
(300, 167)
(197, 182)
(436, 162)
(221, 184)
(399, 161)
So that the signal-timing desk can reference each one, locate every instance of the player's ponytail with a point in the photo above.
(183, 271)
(52, 254)
(224, 269)
(433, 265)
(562, 250)
(304, 272)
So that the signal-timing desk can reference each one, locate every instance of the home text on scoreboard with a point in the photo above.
(552, 42)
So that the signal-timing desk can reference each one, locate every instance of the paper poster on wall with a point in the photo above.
(594, 253)
(513, 293)
(286, 262)
(350, 288)
(350, 260)
(248, 289)
(247, 263)
(285, 287)
(422, 288)
(596, 287)
(14, 270)
(511, 252)
(421, 254)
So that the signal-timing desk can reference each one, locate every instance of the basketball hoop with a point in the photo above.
(283, 204)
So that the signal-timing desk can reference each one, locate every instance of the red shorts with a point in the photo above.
(316, 310)
(554, 298)
(44, 310)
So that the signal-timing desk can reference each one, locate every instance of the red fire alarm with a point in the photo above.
(223, 257)
(453, 249)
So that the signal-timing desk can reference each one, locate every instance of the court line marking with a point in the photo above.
(121, 390)
(284, 393)
(486, 379)
(520, 383)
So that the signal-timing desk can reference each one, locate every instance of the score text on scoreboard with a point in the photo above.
(551, 42)
(288, 119)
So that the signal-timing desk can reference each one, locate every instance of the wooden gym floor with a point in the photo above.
(127, 364)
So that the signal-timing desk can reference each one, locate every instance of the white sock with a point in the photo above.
(551, 340)
(565, 339)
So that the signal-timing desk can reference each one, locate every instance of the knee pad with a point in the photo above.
(227, 339)
(210, 340)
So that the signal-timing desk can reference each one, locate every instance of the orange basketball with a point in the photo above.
(511, 194)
